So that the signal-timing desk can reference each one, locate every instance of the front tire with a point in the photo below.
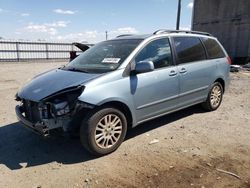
(214, 97)
(103, 130)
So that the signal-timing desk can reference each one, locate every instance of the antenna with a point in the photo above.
(106, 34)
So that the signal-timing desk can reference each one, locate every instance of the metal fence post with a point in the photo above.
(17, 51)
(47, 50)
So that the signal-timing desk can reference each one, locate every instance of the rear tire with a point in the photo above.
(103, 130)
(214, 97)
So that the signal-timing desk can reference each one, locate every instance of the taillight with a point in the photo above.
(229, 61)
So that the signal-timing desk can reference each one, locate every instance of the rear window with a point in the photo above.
(213, 48)
(189, 49)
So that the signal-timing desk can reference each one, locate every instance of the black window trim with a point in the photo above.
(204, 47)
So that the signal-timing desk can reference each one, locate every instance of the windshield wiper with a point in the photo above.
(75, 70)
(62, 67)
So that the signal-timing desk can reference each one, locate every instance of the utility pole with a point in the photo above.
(178, 15)
(106, 32)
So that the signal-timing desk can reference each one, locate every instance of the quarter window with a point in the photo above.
(213, 48)
(189, 49)
(158, 51)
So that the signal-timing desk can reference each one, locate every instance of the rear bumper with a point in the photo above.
(38, 128)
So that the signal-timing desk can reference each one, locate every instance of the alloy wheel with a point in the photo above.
(215, 97)
(108, 131)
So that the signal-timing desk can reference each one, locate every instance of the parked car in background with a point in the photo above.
(235, 68)
(246, 66)
(123, 82)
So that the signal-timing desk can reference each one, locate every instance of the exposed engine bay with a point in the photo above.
(59, 110)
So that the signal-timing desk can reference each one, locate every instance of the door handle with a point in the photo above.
(172, 73)
(183, 70)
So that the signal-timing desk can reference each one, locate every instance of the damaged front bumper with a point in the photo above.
(61, 111)
(38, 128)
(43, 126)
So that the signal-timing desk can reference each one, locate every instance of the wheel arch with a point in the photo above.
(222, 82)
(123, 108)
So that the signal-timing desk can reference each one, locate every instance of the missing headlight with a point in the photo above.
(43, 110)
(63, 102)
(59, 108)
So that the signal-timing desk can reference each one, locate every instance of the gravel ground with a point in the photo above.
(192, 146)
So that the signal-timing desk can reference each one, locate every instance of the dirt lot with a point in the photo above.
(192, 145)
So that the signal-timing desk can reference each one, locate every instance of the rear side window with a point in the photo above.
(213, 48)
(189, 49)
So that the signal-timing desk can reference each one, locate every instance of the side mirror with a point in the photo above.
(144, 66)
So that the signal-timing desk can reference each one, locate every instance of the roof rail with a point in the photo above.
(125, 35)
(161, 31)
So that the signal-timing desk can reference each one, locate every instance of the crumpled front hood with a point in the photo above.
(52, 82)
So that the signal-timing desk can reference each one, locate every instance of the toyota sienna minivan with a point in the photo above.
(120, 83)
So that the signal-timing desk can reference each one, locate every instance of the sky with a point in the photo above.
(87, 20)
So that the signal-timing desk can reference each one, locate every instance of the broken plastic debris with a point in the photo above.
(154, 141)
(24, 165)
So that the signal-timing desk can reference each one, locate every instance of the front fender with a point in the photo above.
(114, 91)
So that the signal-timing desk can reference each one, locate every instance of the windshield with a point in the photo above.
(103, 57)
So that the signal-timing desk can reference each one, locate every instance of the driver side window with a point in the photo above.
(157, 51)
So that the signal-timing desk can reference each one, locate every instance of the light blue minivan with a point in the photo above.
(120, 83)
